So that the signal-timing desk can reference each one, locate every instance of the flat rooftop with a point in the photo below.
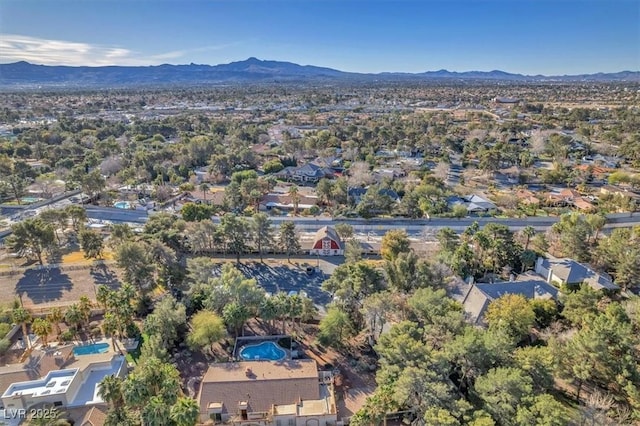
(252, 371)
(54, 382)
(88, 391)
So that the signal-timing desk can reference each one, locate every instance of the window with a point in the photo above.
(216, 417)
(292, 422)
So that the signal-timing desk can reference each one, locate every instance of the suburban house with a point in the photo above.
(267, 393)
(309, 172)
(38, 364)
(74, 386)
(327, 243)
(473, 203)
(569, 272)
(615, 190)
(527, 197)
(356, 194)
(480, 295)
(285, 201)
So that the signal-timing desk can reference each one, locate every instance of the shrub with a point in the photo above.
(5, 344)
(4, 329)
(67, 336)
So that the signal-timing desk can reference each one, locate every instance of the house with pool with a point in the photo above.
(281, 392)
(65, 377)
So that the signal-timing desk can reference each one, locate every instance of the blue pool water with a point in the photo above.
(94, 348)
(265, 351)
(122, 205)
(30, 200)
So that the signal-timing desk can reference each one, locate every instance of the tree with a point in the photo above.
(185, 412)
(289, 240)
(74, 316)
(235, 315)
(580, 306)
(152, 378)
(513, 313)
(56, 218)
(156, 412)
(504, 390)
(120, 232)
(528, 232)
(335, 328)
(236, 232)
(42, 328)
(393, 243)
(168, 321)
(93, 183)
(262, 232)
(324, 188)
(350, 284)
(376, 309)
(353, 251)
(21, 316)
(233, 286)
(206, 329)
(544, 410)
(85, 305)
(77, 214)
(134, 258)
(31, 237)
(344, 230)
(92, 243)
(406, 272)
(295, 198)
(110, 390)
(192, 212)
(55, 317)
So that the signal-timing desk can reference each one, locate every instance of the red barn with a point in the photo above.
(327, 243)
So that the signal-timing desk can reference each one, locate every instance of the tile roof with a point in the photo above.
(261, 383)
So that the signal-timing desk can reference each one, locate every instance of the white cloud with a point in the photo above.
(15, 48)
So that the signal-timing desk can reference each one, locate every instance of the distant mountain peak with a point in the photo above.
(23, 74)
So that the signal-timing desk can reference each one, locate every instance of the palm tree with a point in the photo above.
(102, 295)
(74, 316)
(23, 317)
(295, 198)
(156, 412)
(110, 390)
(41, 327)
(185, 412)
(85, 308)
(204, 187)
(55, 317)
(528, 232)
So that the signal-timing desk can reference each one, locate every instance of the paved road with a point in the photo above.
(417, 227)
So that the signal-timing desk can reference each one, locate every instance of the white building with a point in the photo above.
(71, 387)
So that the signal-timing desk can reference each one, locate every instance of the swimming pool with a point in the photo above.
(265, 351)
(122, 205)
(30, 200)
(93, 348)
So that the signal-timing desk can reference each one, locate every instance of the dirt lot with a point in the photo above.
(59, 286)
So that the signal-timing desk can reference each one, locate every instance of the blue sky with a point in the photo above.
(524, 36)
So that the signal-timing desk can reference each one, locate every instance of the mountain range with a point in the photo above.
(252, 70)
